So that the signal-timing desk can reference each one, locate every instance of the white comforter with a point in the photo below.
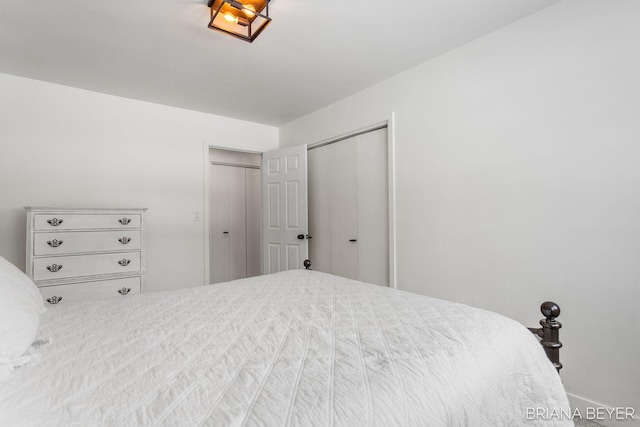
(295, 348)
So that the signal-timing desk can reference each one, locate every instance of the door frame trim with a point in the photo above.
(367, 126)
(206, 192)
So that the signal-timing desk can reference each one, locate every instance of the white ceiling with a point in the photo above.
(314, 53)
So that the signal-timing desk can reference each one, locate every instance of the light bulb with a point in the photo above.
(249, 10)
(231, 17)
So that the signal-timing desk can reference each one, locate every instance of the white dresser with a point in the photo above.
(85, 253)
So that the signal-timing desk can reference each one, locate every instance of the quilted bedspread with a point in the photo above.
(297, 348)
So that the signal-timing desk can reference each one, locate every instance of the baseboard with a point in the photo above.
(594, 411)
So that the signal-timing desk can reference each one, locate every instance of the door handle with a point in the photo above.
(225, 232)
(302, 236)
(353, 240)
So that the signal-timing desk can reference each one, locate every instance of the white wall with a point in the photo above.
(518, 180)
(70, 147)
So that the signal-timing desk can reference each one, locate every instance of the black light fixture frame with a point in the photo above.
(238, 5)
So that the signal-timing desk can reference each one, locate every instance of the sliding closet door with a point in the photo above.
(319, 167)
(349, 208)
(219, 241)
(235, 190)
(254, 221)
(343, 182)
(234, 237)
(237, 223)
(373, 207)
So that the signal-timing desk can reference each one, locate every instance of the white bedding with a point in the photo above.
(294, 348)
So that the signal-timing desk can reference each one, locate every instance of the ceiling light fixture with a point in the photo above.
(244, 20)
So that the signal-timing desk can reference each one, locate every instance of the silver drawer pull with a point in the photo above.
(55, 222)
(54, 300)
(124, 240)
(124, 291)
(54, 243)
(124, 221)
(54, 267)
(124, 262)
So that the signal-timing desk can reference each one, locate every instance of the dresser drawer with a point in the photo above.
(91, 290)
(73, 242)
(65, 221)
(50, 268)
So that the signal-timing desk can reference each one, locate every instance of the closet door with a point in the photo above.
(228, 233)
(373, 208)
(254, 221)
(343, 212)
(219, 228)
(237, 223)
(319, 167)
(349, 208)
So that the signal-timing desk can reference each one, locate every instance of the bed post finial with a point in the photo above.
(307, 264)
(550, 310)
(549, 332)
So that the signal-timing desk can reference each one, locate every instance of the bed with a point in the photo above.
(299, 348)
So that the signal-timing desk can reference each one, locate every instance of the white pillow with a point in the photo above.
(20, 308)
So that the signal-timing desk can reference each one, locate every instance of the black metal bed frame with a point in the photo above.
(549, 332)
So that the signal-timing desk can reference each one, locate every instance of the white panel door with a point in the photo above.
(284, 209)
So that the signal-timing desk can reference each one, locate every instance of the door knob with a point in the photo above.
(300, 236)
